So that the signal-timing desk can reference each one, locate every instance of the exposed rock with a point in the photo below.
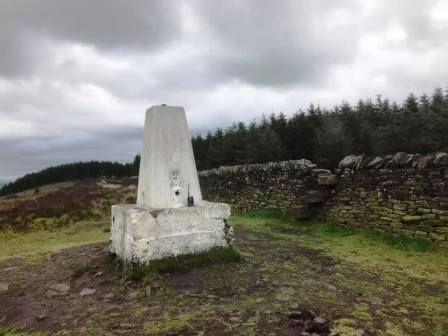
(362, 160)
(285, 294)
(40, 317)
(408, 219)
(3, 287)
(319, 320)
(51, 293)
(302, 315)
(98, 274)
(409, 160)
(319, 171)
(436, 236)
(88, 291)
(331, 287)
(416, 160)
(441, 159)
(399, 159)
(375, 163)
(305, 164)
(319, 327)
(425, 161)
(283, 297)
(387, 161)
(376, 301)
(133, 295)
(349, 161)
(60, 288)
(307, 321)
(294, 306)
(109, 296)
(327, 179)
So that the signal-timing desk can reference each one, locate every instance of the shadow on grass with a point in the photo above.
(138, 271)
(285, 223)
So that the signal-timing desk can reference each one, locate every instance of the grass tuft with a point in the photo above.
(137, 271)
(393, 240)
(405, 243)
(333, 230)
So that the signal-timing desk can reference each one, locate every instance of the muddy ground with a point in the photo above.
(280, 288)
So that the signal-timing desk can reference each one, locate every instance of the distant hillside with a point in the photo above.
(59, 204)
(71, 172)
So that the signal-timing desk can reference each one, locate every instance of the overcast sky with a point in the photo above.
(77, 76)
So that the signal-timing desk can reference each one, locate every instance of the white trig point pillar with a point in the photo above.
(170, 217)
(167, 167)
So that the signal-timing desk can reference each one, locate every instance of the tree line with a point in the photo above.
(324, 136)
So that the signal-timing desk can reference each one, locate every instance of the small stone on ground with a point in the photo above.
(87, 291)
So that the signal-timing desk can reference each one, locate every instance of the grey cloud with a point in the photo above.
(414, 17)
(104, 23)
(279, 43)
(20, 53)
(114, 25)
(76, 76)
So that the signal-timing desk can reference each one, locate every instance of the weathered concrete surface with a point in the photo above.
(162, 224)
(167, 165)
(142, 234)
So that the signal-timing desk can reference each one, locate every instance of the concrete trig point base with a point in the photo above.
(142, 235)
(163, 223)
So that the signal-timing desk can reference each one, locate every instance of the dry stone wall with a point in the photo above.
(275, 185)
(401, 193)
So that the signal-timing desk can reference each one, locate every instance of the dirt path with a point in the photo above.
(280, 288)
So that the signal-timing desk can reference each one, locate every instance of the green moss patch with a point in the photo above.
(136, 271)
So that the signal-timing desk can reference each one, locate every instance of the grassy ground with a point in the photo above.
(362, 283)
(30, 244)
(416, 257)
